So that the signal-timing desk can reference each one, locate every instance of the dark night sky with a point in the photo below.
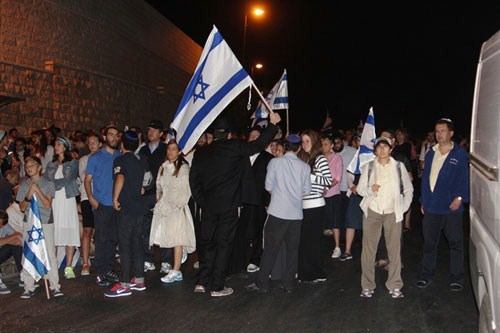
(414, 62)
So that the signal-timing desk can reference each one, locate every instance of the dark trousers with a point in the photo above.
(452, 226)
(310, 253)
(217, 235)
(106, 237)
(10, 250)
(149, 255)
(130, 243)
(276, 232)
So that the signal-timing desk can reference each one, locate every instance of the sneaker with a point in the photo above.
(199, 288)
(252, 268)
(172, 276)
(422, 283)
(57, 293)
(112, 277)
(3, 289)
(102, 281)
(337, 253)
(165, 267)
(367, 293)
(221, 293)
(149, 266)
(118, 291)
(85, 270)
(68, 273)
(27, 294)
(396, 293)
(345, 256)
(455, 286)
(184, 255)
(328, 232)
(139, 286)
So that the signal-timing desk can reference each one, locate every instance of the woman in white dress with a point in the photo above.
(172, 225)
(63, 171)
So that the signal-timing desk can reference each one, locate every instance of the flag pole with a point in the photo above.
(46, 286)
(262, 98)
(287, 124)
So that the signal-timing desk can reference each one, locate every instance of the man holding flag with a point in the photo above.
(35, 200)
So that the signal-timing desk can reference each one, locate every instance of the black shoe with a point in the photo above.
(254, 287)
(456, 286)
(102, 281)
(422, 283)
(288, 290)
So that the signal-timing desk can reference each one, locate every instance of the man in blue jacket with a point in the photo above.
(445, 188)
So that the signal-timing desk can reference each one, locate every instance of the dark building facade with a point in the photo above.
(86, 64)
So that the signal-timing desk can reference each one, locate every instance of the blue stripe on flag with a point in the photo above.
(194, 81)
(34, 260)
(210, 104)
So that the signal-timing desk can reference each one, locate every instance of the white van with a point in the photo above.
(484, 247)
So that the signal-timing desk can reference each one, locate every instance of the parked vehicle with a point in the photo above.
(484, 247)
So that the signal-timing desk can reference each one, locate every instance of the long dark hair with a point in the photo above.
(178, 163)
(310, 157)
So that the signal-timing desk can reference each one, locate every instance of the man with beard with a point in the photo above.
(99, 187)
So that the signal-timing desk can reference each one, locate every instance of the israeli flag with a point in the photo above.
(218, 79)
(35, 259)
(364, 154)
(277, 98)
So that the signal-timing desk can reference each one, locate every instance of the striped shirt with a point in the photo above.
(321, 179)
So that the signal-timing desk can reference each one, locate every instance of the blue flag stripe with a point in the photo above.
(34, 260)
(211, 103)
(194, 81)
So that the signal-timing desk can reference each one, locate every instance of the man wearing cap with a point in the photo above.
(128, 174)
(288, 180)
(155, 152)
(387, 193)
(444, 189)
(99, 188)
(215, 179)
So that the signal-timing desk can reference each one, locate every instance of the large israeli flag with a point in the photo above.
(218, 79)
(277, 99)
(364, 154)
(35, 259)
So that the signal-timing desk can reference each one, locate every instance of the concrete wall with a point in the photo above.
(86, 64)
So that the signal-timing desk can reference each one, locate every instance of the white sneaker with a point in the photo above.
(149, 266)
(3, 289)
(172, 276)
(251, 268)
(336, 253)
(165, 267)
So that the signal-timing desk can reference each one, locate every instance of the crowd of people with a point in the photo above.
(258, 202)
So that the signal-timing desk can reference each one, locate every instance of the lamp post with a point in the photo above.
(256, 11)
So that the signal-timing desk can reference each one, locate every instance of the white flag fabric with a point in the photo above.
(364, 154)
(35, 259)
(277, 98)
(218, 79)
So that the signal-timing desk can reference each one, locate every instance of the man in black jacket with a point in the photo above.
(215, 179)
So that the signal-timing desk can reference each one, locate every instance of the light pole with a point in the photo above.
(256, 11)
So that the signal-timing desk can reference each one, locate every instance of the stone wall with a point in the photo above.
(86, 64)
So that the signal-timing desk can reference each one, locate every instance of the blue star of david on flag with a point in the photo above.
(35, 235)
(203, 87)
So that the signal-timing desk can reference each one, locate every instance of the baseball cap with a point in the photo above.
(157, 124)
(383, 139)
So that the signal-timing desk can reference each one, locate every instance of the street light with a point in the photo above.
(256, 11)
(257, 66)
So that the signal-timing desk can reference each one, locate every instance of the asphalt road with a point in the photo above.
(333, 306)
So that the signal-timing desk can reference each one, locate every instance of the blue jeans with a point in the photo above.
(452, 226)
(8, 251)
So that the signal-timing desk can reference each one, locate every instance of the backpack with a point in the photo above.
(401, 187)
